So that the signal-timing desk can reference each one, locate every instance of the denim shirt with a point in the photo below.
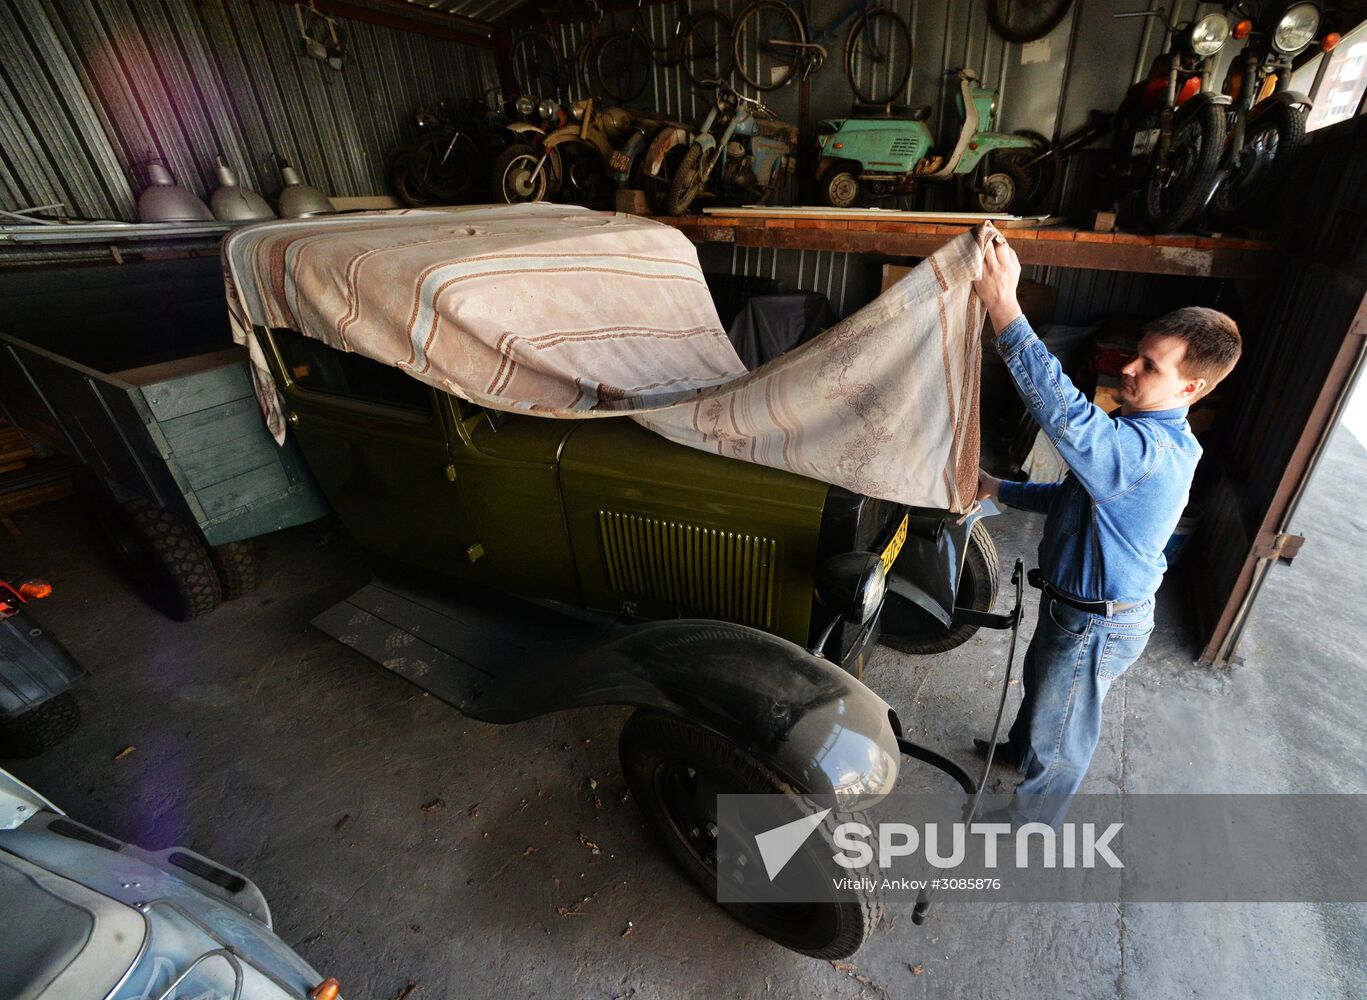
(1128, 481)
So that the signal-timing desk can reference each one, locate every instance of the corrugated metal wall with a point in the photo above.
(92, 89)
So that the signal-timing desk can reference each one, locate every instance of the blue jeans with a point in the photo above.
(1072, 660)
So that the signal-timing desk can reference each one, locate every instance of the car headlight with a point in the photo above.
(852, 583)
(1297, 28)
(546, 109)
(525, 105)
(1208, 35)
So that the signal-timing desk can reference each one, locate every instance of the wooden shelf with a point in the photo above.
(1054, 246)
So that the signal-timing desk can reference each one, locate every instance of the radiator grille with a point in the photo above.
(720, 574)
(903, 145)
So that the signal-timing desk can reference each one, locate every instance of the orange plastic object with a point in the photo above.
(328, 989)
(1242, 29)
(1330, 41)
(36, 589)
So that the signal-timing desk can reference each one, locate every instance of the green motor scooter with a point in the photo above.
(885, 150)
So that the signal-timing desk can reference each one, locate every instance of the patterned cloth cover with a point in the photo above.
(564, 312)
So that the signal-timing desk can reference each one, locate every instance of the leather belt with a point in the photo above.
(1103, 608)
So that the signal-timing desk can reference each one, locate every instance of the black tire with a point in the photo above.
(659, 755)
(657, 188)
(977, 590)
(511, 173)
(1006, 188)
(443, 167)
(1044, 177)
(1167, 203)
(1025, 20)
(238, 569)
(686, 184)
(162, 554)
(840, 187)
(42, 728)
(706, 48)
(624, 62)
(761, 65)
(878, 56)
(1271, 145)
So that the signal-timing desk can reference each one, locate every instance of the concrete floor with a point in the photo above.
(398, 841)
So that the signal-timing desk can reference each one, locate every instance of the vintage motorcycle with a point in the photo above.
(742, 151)
(523, 171)
(885, 150)
(448, 163)
(1267, 118)
(1170, 128)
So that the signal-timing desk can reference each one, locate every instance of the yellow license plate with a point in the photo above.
(899, 537)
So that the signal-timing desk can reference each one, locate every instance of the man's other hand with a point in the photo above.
(997, 286)
(987, 486)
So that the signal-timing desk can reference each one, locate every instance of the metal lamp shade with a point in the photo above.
(232, 203)
(299, 199)
(165, 201)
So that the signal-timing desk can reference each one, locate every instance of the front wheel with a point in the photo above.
(1271, 145)
(1175, 191)
(516, 178)
(687, 183)
(908, 629)
(675, 771)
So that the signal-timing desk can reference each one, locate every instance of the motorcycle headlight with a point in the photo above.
(525, 105)
(546, 109)
(425, 120)
(1297, 28)
(1208, 35)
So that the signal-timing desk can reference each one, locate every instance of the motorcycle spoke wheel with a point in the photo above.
(878, 56)
(707, 53)
(1271, 145)
(765, 44)
(1173, 195)
(515, 177)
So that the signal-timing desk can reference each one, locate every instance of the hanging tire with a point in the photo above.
(686, 184)
(163, 555)
(763, 44)
(40, 729)
(840, 187)
(512, 178)
(237, 568)
(675, 770)
(1272, 143)
(706, 47)
(977, 590)
(1168, 202)
(878, 56)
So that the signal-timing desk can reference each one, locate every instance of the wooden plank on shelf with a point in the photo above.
(812, 213)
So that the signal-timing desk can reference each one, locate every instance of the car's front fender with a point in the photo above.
(815, 725)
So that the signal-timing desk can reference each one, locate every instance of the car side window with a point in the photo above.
(317, 367)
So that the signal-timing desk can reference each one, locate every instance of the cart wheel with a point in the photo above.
(41, 728)
(910, 630)
(237, 567)
(675, 771)
(163, 554)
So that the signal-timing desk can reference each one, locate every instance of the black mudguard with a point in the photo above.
(34, 666)
(927, 569)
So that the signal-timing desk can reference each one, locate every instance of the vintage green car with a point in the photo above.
(758, 583)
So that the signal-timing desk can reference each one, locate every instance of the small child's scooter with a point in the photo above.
(885, 150)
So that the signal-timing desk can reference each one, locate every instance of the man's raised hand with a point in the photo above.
(997, 286)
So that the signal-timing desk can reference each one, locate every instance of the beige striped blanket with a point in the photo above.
(563, 312)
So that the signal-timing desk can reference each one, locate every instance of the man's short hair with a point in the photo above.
(1212, 340)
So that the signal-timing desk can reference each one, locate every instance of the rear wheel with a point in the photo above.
(675, 771)
(911, 630)
(162, 554)
(237, 567)
(1004, 189)
(765, 44)
(840, 187)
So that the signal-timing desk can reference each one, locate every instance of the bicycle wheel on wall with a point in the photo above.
(706, 48)
(624, 63)
(878, 56)
(766, 44)
(537, 68)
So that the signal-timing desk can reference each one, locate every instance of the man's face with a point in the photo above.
(1153, 380)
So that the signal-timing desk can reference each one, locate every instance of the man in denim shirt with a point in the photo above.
(1101, 557)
